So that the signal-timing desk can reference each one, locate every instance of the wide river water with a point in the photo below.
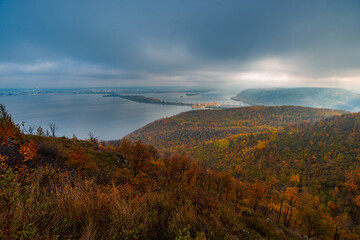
(107, 118)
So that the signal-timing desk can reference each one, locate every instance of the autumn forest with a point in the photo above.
(243, 173)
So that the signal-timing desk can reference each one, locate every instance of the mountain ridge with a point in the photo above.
(334, 98)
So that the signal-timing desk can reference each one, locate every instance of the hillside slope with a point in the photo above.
(305, 164)
(333, 98)
(59, 188)
(187, 131)
(297, 182)
(320, 158)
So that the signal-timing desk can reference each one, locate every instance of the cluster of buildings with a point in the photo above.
(206, 105)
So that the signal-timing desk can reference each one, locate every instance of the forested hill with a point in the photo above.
(188, 131)
(328, 147)
(333, 98)
(321, 159)
(301, 181)
(60, 188)
(293, 167)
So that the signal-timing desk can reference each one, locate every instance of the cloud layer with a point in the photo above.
(179, 43)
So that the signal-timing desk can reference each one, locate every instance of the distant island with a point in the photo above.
(334, 98)
(143, 99)
(192, 94)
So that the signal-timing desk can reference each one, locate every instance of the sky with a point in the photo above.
(191, 43)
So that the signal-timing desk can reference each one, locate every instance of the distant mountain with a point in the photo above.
(334, 98)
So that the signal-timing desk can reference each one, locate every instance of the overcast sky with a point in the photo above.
(224, 43)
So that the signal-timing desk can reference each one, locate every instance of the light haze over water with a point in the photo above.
(107, 118)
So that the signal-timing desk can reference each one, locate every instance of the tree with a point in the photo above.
(139, 157)
(40, 131)
(239, 191)
(175, 169)
(93, 139)
(53, 129)
(8, 130)
(78, 157)
(28, 150)
(312, 222)
(31, 129)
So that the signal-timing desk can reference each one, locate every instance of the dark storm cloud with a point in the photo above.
(136, 42)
